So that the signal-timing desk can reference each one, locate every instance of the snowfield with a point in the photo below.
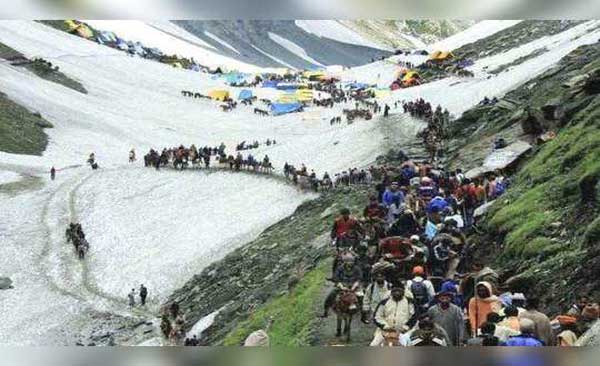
(160, 228)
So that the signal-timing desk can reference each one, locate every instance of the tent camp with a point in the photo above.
(245, 94)
(304, 95)
(441, 56)
(217, 94)
(283, 108)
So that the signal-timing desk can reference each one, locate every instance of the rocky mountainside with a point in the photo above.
(544, 234)
(307, 44)
(407, 33)
(278, 43)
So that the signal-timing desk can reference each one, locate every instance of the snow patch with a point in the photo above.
(8, 177)
(293, 48)
(203, 324)
(274, 58)
(221, 42)
(333, 29)
(478, 31)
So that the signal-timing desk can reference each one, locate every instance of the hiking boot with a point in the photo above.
(365, 318)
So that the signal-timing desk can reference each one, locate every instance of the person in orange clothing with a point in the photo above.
(481, 305)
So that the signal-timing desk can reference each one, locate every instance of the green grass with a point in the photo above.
(293, 314)
(42, 70)
(21, 132)
(56, 76)
(547, 188)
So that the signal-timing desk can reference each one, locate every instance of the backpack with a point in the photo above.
(419, 292)
(500, 189)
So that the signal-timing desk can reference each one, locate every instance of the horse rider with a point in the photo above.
(393, 315)
(348, 276)
(345, 230)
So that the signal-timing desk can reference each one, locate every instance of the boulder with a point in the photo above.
(591, 86)
(5, 283)
(532, 122)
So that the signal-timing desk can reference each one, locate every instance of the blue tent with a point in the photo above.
(283, 108)
(287, 86)
(245, 94)
(234, 77)
(357, 85)
(270, 84)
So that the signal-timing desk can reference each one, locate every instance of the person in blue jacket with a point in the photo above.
(390, 193)
(526, 338)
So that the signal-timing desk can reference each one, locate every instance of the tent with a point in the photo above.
(80, 29)
(245, 94)
(234, 77)
(313, 75)
(381, 93)
(287, 86)
(304, 95)
(411, 75)
(71, 25)
(357, 85)
(441, 55)
(217, 94)
(283, 108)
(105, 37)
(288, 98)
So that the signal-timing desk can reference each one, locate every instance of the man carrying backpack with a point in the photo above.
(422, 290)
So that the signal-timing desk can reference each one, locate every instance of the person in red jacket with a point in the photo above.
(374, 209)
(396, 247)
(345, 230)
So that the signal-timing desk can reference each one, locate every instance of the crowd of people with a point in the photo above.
(74, 234)
(416, 277)
(244, 145)
(310, 180)
(437, 122)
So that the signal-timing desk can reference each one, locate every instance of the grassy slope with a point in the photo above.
(293, 314)
(42, 71)
(250, 278)
(540, 230)
(512, 37)
(21, 132)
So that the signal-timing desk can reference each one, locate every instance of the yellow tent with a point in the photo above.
(411, 75)
(441, 56)
(71, 25)
(313, 75)
(218, 94)
(84, 31)
(381, 93)
(304, 95)
(177, 65)
(288, 98)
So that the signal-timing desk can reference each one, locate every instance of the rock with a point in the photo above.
(5, 283)
(575, 81)
(592, 83)
(556, 224)
(532, 122)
